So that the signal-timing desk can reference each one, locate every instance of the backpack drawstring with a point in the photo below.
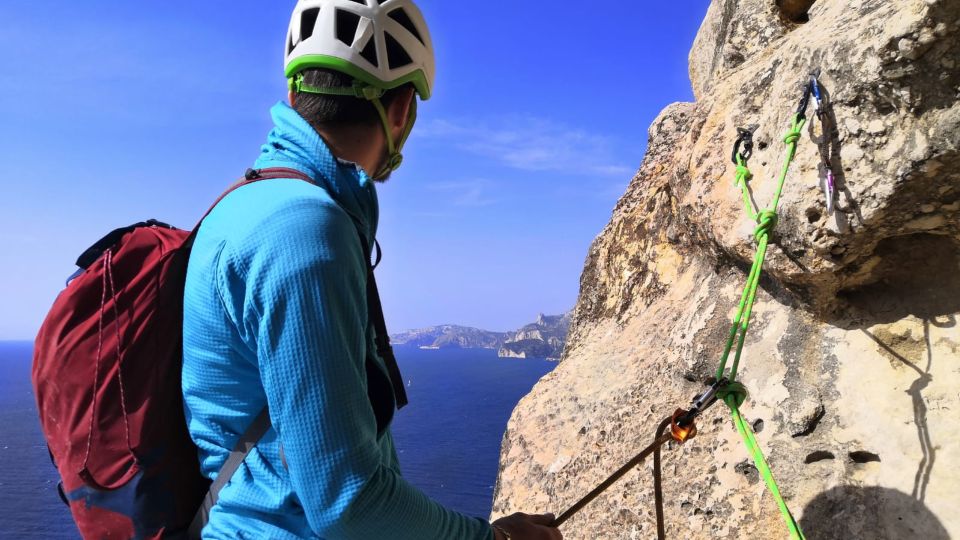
(108, 280)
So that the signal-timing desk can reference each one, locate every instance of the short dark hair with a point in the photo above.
(327, 110)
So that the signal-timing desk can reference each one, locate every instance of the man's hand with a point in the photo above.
(522, 526)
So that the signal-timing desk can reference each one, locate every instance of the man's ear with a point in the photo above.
(292, 98)
(399, 111)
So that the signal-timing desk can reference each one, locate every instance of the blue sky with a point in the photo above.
(113, 112)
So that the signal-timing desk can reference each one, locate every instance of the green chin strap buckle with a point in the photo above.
(394, 161)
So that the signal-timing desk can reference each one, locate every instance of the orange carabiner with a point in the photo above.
(682, 434)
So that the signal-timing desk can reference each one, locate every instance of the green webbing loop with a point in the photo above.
(735, 393)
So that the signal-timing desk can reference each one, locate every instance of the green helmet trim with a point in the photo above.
(418, 77)
(359, 89)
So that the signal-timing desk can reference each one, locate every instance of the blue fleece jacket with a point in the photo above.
(275, 314)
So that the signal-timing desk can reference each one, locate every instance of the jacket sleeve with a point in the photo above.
(305, 308)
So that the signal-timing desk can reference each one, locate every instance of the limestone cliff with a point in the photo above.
(853, 360)
(544, 338)
(450, 335)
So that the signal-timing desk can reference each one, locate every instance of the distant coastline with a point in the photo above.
(434, 348)
(544, 338)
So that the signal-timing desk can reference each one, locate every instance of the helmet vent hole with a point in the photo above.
(347, 24)
(308, 21)
(403, 20)
(290, 44)
(397, 57)
(369, 53)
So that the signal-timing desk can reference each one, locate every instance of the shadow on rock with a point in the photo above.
(915, 274)
(869, 512)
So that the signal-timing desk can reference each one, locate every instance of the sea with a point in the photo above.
(448, 437)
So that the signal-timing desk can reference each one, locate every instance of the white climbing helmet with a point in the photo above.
(383, 44)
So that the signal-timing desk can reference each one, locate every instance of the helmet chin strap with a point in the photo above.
(373, 95)
(394, 155)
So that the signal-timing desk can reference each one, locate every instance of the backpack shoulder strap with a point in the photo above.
(244, 446)
(261, 424)
(384, 349)
(252, 176)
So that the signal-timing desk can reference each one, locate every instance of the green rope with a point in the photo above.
(743, 176)
(750, 441)
(735, 394)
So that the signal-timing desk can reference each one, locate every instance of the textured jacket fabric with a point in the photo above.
(275, 314)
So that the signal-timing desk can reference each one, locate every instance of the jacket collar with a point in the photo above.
(293, 143)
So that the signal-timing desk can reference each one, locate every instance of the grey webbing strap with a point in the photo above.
(247, 442)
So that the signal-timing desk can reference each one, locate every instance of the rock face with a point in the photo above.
(853, 357)
(543, 339)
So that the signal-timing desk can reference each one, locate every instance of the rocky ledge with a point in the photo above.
(853, 357)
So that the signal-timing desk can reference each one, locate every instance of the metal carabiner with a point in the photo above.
(701, 403)
(828, 183)
(804, 101)
(744, 139)
(815, 89)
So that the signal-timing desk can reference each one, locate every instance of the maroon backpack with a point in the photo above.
(106, 372)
